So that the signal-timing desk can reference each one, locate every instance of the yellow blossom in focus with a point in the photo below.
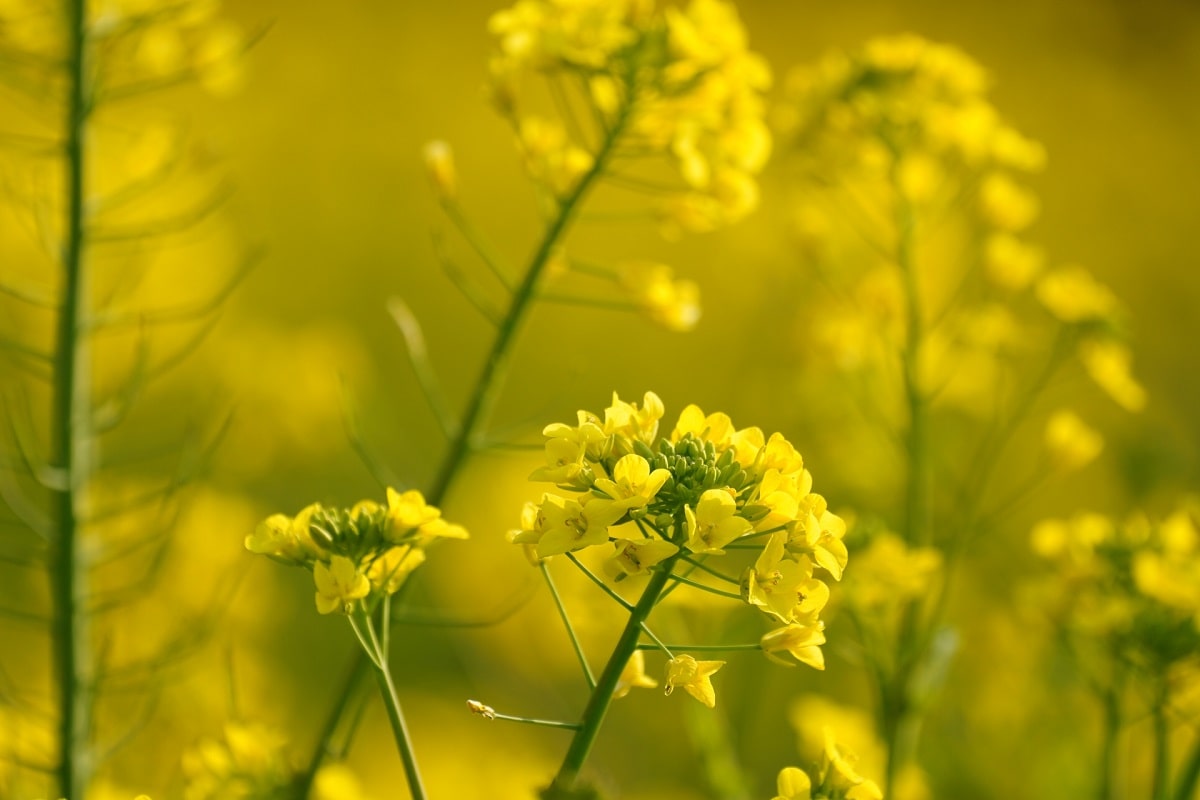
(339, 584)
(713, 524)
(694, 676)
(802, 641)
(1070, 442)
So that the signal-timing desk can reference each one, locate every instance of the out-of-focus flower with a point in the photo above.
(1070, 442)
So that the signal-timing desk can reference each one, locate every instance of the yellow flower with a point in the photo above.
(634, 484)
(636, 556)
(783, 587)
(408, 512)
(388, 571)
(339, 584)
(575, 524)
(713, 524)
(1108, 363)
(802, 640)
(1005, 205)
(843, 774)
(674, 304)
(1072, 295)
(622, 419)
(793, 784)
(694, 676)
(634, 676)
(716, 428)
(1070, 442)
(337, 782)
(285, 537)
(1011, 263)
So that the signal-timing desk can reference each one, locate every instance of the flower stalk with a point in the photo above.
(70, 435)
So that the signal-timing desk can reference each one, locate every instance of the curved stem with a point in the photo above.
(597, 707)
(71, 639)
(1112, 730)
(1162, 744)
(488, 383)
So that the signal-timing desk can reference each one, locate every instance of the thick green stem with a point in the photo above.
(69, 568)
(487, 385)
(597, 707)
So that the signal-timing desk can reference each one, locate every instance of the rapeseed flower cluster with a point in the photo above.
(1132, 587)
(364, 552)
(673, 83)
(651, 500)
(898, 139)
(249, 762)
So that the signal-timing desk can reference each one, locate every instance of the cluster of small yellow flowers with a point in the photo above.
(144, 41)
(674, 304)
(364, 551)
(901, 131)
(888, 573)
(836, 778)
(1134, 586)
(702, 491)
(248, 763)
(677, 83)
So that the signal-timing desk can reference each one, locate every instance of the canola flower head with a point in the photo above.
(651, 499)
(354, 553)
(1132, 585)
(248, 761)
(1071, 442)
(678, 83)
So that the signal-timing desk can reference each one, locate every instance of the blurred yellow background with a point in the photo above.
(323, 146)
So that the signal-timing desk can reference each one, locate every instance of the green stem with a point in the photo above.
(704, 587)
(1162, 744)
(488, 383)
(562, 612)
(69, 568)
(1112, 730)
(597, 707)
(1189, 776)
(391, 701)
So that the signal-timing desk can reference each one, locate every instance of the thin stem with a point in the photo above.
(562, 612)
(715, 573)
(1108, 756)
(597, 707)
(596, 580)
(392, 702)
(1162, 744)
(699, 648)
(71, 639)
(705, 587)
(545, 723)
(658, 643)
